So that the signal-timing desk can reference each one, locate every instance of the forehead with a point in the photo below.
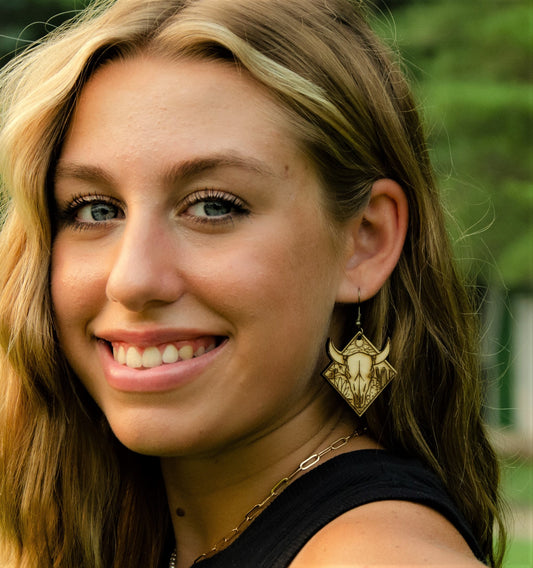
(152, 86)
(178, 107)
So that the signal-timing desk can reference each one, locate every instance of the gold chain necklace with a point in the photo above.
(274, 492)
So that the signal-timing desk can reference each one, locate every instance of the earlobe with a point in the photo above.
(375, 240)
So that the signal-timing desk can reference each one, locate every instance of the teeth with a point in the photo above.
(186, 352)
(200, 351)
(121, 355)
(170, 354)
(153, 357)
(133, 358)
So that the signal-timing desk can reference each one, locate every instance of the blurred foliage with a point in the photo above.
(24, 21)
(471, 64)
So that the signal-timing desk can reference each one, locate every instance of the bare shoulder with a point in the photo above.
(387, 533)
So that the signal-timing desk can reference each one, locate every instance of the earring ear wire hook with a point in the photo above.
(358, 320)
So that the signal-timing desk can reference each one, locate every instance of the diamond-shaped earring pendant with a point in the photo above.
(359, 372)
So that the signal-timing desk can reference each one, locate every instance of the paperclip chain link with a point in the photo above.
(274, 492)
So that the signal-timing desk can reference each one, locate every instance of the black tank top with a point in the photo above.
(326, 492)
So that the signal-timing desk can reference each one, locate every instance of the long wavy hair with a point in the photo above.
(71, 495)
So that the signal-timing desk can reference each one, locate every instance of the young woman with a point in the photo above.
(220, 221)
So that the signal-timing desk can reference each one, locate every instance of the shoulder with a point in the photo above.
(387, 533)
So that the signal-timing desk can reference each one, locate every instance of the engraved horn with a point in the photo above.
(334, 353)
(380, 357)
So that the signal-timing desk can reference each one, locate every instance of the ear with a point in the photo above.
(374, 242)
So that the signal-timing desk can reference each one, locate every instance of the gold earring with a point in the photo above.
(359, 372)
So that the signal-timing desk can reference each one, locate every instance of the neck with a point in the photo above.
(212, 493)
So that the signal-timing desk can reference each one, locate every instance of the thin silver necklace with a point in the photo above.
(274, 492)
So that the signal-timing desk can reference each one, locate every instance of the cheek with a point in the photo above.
(286, 275)
(77, 286)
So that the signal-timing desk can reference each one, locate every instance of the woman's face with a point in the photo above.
(194, 271)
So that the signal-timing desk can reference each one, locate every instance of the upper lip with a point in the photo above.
(148, 337)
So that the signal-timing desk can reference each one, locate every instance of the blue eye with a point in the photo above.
(210, 209)
(98, 211)
(89, 211)
(213, 206)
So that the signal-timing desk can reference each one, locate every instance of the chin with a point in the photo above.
(150, 445)
(151, 437)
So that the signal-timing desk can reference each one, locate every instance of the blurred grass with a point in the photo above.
(517, 482)
(520, 554)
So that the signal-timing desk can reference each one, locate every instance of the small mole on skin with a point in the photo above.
(180, 512)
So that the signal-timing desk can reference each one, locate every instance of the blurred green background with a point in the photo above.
(471, 65)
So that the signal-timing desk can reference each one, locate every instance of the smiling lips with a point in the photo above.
(136, 357)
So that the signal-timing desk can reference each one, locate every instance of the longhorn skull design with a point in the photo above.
(360, 371)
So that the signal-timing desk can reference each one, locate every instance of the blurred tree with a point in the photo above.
(471, 63)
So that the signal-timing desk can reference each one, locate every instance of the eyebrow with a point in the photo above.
(82, 172)
(192, 168)
(182, 171)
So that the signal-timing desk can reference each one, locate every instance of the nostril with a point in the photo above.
(139, 287)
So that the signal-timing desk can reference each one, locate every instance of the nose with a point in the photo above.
(144, 269)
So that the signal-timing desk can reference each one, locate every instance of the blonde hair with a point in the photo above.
(71, 494)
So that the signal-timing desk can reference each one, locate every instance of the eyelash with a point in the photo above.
(237, 206)
(67, 215)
